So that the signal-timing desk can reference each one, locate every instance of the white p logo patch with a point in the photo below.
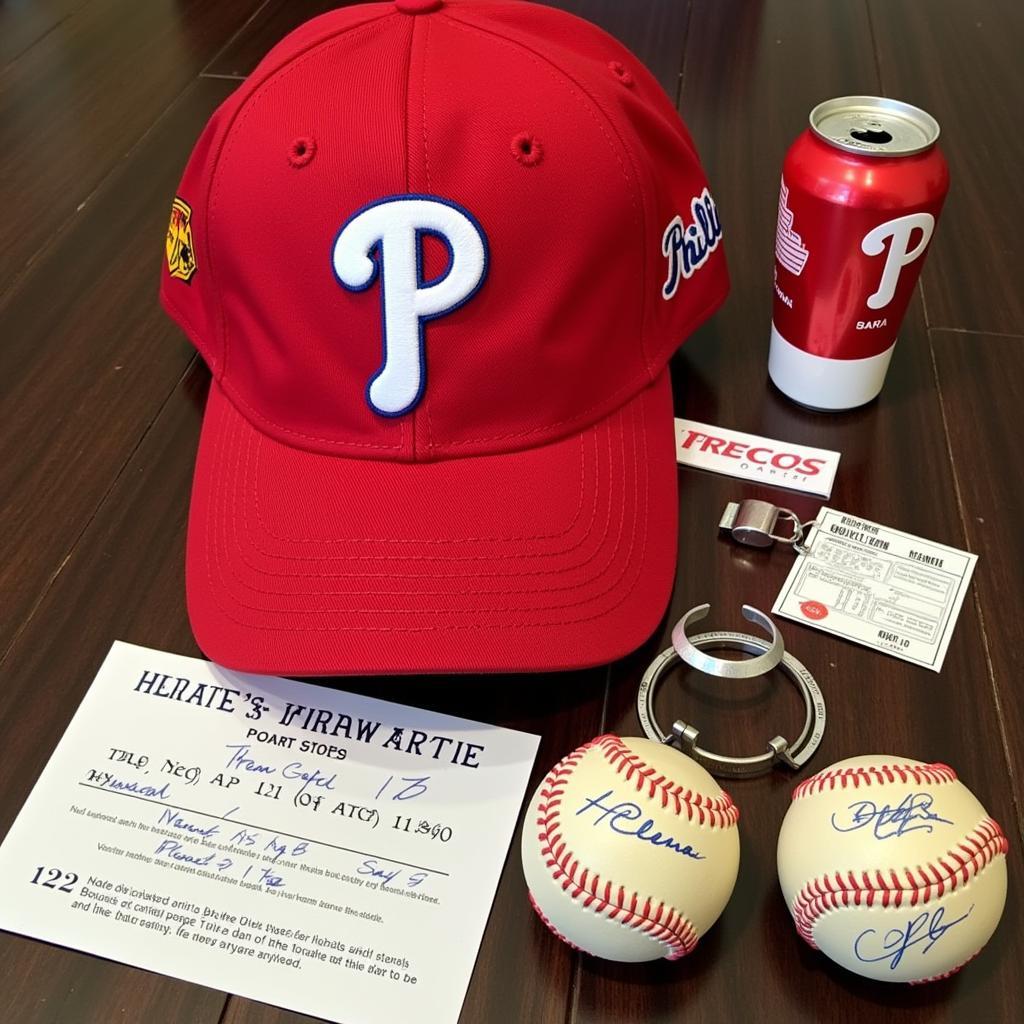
(395, 227)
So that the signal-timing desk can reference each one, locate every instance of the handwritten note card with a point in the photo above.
(286, 842)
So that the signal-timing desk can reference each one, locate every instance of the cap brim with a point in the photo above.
(557, 557)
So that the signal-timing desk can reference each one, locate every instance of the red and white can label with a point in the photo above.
(852, 234)
(844, 276)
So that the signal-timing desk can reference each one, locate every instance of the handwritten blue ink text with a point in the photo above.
(926, 928)
(622, 818)
(914, 812)
(107, 780)
(241, 759)
(312, 777)
(174, 818)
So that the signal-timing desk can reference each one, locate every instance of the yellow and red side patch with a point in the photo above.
(181, 256)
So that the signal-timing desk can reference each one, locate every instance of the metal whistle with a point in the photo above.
(755, 523)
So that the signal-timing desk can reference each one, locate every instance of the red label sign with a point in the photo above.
(813, 609)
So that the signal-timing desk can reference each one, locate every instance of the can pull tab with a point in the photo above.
(755, 523)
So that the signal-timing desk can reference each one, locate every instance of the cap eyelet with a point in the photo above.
(622, 73)
(301, 151)
(527, 149)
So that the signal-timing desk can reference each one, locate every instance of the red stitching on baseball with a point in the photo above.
(831, 892)
(718, 812)
(604, 896)
(843, 778)
(547, 921)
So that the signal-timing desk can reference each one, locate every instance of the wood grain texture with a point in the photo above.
(962, 63)
(45, 984)
(24, 22)
(981, 381)
(88, 359)
(82, 96)
(100, 430)
(893, 454)
(106, 590)
(653, 29)
(270, 24)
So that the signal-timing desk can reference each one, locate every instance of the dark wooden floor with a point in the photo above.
(101, 401)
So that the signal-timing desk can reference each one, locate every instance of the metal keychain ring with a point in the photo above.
(780, 750)
(771, 653)
(797, 536)
(801, 545)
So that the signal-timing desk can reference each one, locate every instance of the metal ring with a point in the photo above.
(794, 520)
(688, 651)
(780, 750)
(801, 544)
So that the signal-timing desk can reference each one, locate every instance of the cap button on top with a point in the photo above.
(418, 6)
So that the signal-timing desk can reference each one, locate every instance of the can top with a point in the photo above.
(874, 126)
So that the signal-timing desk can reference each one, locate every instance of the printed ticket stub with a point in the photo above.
(878, 587)
(749, 457)
(285, 842)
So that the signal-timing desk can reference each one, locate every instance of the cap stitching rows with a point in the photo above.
(554, 71)
(560, 570)
(428, 611)
(430, 540)
(453, 540)
(423, 97)
(447, 627)
(323, 559)
(223, 504)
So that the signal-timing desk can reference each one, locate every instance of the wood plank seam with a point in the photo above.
(878, 57)
(970, 330)
(681, 77)
(1015, 791)
(19, 277)
(35, 42)
(228, 998)
(234, 35)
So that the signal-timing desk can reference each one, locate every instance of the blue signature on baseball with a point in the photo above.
(913, 813)
(623, 817)
(926, 928)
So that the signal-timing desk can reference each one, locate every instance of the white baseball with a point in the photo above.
(630, 850)
(892, 868)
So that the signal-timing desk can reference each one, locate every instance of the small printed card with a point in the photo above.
(749, 457)
(878, 587)
(329, 853)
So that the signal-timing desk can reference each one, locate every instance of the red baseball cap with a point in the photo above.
(437, 256)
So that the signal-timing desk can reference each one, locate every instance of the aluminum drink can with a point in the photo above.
(861, 192)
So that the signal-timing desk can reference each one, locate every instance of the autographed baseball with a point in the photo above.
(892, 868)
(630, 850)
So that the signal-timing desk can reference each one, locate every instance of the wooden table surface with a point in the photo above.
(101, 399)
